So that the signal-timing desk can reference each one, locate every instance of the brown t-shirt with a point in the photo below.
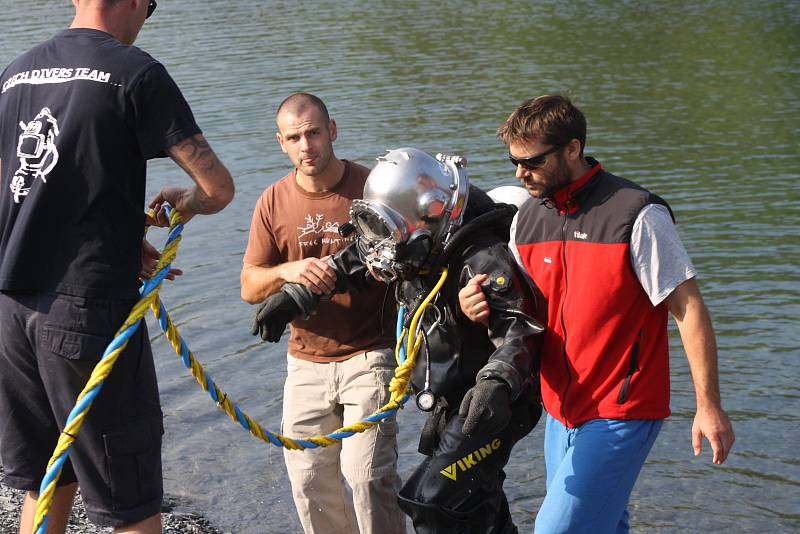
(290, 224)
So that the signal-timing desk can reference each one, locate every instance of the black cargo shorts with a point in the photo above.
(49, 345)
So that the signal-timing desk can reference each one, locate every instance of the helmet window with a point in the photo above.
(371, 227)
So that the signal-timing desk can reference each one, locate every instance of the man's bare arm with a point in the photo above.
(260, 282)
(213, 189)
(694, 324)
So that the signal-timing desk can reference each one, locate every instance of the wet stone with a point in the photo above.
(174, 522)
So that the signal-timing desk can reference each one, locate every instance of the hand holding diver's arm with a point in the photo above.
(472, 300)
(343, 272)
(321, 276)
(512, 306)
(213, 188)
(258, 282)
(512, 329)
(486, 407)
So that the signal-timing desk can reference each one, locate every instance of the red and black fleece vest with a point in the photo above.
(605, 353)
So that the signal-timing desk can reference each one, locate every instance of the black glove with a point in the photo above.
(273, 315)
(486, 407)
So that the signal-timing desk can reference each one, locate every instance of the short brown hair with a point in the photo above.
(299, 102)
(549, 119)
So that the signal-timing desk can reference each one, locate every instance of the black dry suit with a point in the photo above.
(458, 487)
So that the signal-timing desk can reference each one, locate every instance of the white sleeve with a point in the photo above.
(657, 254)
(512, 246)
(512, 241)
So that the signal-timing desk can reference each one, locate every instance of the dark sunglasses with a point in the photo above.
(533, 162)
(151, 7)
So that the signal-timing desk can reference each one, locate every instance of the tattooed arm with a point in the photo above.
(213, 188)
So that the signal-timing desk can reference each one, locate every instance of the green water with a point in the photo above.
(700, 102)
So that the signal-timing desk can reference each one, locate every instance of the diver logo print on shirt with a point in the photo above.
(37, 153)
(313, 233)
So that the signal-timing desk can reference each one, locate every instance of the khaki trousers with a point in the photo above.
(319, 398)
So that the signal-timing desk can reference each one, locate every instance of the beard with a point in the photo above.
(550, 181)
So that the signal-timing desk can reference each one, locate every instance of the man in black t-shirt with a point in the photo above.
(80, 115)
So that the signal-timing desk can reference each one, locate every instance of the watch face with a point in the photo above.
(426, 400)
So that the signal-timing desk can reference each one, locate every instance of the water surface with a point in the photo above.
(699, 102)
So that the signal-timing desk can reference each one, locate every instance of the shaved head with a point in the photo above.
(297, 103)
(121, 18)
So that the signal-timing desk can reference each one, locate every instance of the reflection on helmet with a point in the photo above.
(412, 203)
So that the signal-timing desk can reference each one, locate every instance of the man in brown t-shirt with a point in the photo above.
(339, 360)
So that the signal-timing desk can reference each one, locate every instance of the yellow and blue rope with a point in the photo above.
(149, 292)
(398, 387)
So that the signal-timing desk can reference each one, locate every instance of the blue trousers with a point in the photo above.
(591, 470)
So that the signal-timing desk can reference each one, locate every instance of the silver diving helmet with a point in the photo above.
(412, 204)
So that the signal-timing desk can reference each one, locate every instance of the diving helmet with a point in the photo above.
(411, 206)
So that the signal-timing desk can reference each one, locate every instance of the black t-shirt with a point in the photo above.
(80, 114)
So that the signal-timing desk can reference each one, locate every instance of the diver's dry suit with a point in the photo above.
(458, 486)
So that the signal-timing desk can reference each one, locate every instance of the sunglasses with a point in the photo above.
(151, 7)
(533, 162)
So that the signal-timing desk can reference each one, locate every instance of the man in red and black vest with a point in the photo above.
(606, 255)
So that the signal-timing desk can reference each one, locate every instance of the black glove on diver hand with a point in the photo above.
(486, 407)
(273, 315)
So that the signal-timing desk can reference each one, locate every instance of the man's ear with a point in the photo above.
(332, 129)
(573, 149)
(279, 137)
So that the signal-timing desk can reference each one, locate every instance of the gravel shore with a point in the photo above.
(174, 522)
